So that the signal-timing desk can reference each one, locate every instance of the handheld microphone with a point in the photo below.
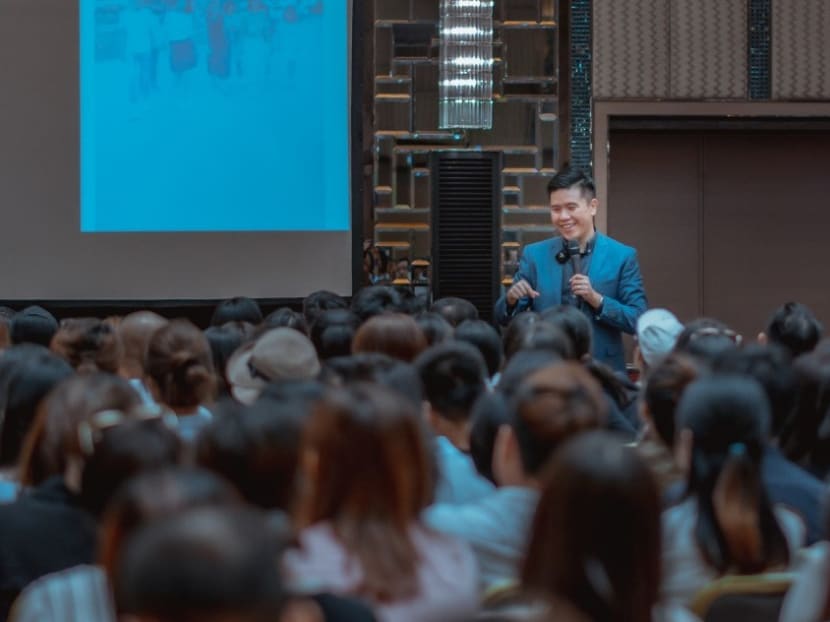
(576, 258)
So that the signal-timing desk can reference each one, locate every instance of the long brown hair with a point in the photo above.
(595, 540)
(394, 334)
(179, 363)
(371, 479)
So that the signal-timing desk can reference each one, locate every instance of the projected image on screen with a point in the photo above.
(214, 115)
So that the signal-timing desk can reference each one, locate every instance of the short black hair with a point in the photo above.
(374, 300)
(453, 375)
(238, 309)
(33, 325)
(321, 300)
(484, 337)
(794, 327)
(488, 415)
(455, 310)
(201, 564)
(434, 326)
(575, 325)
(283, 317)
(381, 369)
(528, 331)
(570, 177)
(332, 332)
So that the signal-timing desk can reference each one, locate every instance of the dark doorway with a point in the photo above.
(728, 223)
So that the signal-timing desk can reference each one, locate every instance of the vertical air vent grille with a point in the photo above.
(466, 187)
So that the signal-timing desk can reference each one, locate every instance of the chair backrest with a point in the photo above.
(743, 597)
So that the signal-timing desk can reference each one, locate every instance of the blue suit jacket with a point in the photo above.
(614, 273)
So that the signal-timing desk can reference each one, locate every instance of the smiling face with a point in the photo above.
(572, 213)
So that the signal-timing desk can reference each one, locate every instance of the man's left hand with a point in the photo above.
(581, 286)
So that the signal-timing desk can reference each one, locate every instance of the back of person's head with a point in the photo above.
(238, 309)
(522, 365)
(203, 565)
(455, 310)
(284, 317)
(573, 177)
(117, 445)
(224, 341)
(256, 448)
(6, 316)
(453, 375)
(154, 494)
(530, 332)
(378, 369)
(435, 327)
(657, 332)
(725, 419)
(394, 334)
(595, 540)
(374, 300)
(89, 344)
(134, 332)
(576, 327)
(794, 327)
(279, 354)
(27, 374)
(552, 405)
(484, 337)
(706, 339)
(771, 366)
(53, 438)
(664, 387)
(488, 415)
(319, 301)
(33, 325)
(388, 483)
(180, 366)
(332, 332)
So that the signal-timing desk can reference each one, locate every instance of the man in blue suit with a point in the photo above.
(608, 287)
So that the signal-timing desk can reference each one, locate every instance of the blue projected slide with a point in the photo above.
(214, 115)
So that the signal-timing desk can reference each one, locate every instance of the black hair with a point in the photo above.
(374, 300)
(411, 303)
(319, 301)
(455, 310)
(435, 327)
(794, 327)
(379, 369)
(33, 325)
(576, 327)
(570, 177)
(702, 328)
(27, 374)
(771, 367)
(332, 332)
(520, 366)
(663, 389)
(729, 418)
(484, 337)
(527, 331)
(223, 341)
(453, 375)
(283, 317)
(200, 565)
(256, 448)
(238, 309)
(489, 413)
(123, 451)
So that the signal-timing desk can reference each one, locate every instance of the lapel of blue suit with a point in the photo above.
(598, 257)
(555, 279)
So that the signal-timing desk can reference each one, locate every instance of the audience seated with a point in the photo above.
(486, 339)
(6, 316)
(320, 301)
(88, 344)
(394, 334)
(33, 325)
(435, 327)
(706, 339)
(284, 316)
(279, 354)
(550, 406)
(793, 327)
(528, 331)
(786, 483)
(224, 341)
(239, 309)
(366, 467)
(657, 332)
(180, 374)
(332, 332)
(455, 310)
(595, 540)
(134, 332)
(375, 300)
(453, 376)
(726, 524)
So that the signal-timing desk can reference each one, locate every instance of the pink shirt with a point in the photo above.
(447, 575)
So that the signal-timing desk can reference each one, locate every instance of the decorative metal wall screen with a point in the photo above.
(466, 200)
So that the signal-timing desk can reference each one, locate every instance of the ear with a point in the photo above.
(593, 205)
(504, 448)
(683, 445)
(762, 338)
